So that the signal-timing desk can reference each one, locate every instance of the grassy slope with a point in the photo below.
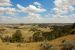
(31, 46)
(35, 46)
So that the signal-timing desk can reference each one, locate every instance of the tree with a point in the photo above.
(46, 35)
(6, 39)
(73, 26)
(17, 36)
(46, 46)
(37, 37)
(34, 29)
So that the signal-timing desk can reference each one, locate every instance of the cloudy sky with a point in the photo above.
(37, 11)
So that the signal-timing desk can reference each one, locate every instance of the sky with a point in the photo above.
(37, 11)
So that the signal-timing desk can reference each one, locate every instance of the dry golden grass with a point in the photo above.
(31, 46)
(36, 45)
(25, 30)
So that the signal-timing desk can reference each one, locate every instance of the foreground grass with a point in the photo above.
(35, 45)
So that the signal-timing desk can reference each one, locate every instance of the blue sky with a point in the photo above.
(37, 11)
(47, 4)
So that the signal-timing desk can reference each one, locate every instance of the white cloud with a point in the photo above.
(33, 13)
(63, 6)
(20, 7)
(61, 11)
(5, 7)
(31, 9)
(34, 16)
(2, 1)
(72, 2)
(38, 4)
(61, 20)
(9, 19)
(7, 10)
(6, 19)
(36, 20)
(5, 3)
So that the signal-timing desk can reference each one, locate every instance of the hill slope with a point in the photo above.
(36, 45)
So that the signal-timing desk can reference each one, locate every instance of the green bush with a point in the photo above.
(17, 36)
(6, 39)
(37, 37)
(46, 46)
(68, 46)
(73, 26)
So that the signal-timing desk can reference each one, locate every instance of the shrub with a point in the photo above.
(17, 36)
(73, 32)
(67, 46)
(34, 29)
(73, 26)
(46, 46)
(6, 39)
(37, 37)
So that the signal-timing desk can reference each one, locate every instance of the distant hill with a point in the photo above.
(57, 24)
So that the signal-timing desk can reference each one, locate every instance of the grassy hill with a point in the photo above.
(36, 45)
(28, 30)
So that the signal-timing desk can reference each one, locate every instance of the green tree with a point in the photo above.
(17, 36)
(37, 37)
(73, 26)
(6, 39)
